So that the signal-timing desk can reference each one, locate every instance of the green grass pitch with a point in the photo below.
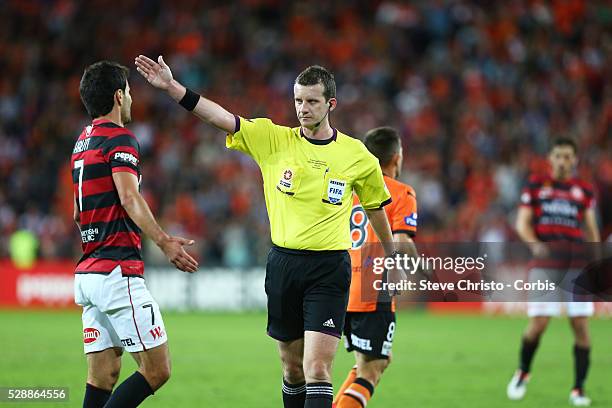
(226, 360)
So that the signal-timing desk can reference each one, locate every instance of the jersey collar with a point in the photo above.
(104, 123)
(318, 141)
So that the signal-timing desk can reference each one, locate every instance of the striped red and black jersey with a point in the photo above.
(558, 207)
(109, 237)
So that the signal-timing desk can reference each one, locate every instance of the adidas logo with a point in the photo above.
(329, 323)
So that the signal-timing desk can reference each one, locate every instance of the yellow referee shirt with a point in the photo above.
(308, 183)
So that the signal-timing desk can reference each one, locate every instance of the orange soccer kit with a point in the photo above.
(402, 215)
(370, 318)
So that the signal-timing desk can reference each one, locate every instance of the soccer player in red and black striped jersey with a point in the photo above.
(118, 311)
(556, 208)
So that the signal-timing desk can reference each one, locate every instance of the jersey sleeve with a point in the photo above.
(258, 138)
(370, 186)
(589, 197)
(123, 154)
(403, 215)
(527, 194)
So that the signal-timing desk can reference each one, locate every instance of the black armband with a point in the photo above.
(190, 100)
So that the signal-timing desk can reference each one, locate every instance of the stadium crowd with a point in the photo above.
(478, 90)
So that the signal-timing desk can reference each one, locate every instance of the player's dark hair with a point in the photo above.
(565, 141)
(98, 85)
(316, 74)
(383, 142)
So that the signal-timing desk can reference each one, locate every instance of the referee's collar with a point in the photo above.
(319, 141)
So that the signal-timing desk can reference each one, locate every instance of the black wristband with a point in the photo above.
(190, 100)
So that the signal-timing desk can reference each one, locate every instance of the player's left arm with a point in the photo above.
(591, 229)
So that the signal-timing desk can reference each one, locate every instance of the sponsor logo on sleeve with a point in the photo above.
(411, 220)
(126, 157)
(526, 198)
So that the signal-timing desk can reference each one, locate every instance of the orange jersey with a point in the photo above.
(402, 215)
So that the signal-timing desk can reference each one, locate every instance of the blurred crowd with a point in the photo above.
(478, 90)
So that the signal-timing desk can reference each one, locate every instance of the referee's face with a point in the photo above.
(310, 104)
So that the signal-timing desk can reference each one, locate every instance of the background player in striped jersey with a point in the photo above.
(118, 310)
(370, 318)
(555, 208)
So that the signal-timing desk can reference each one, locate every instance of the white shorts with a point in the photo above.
(118, 311)
(573, 309)
(553, 302)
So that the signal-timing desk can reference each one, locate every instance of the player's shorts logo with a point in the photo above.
(127, 342)
(157, 332)
(90, 335)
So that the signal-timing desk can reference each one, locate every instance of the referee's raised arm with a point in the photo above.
(159, 75)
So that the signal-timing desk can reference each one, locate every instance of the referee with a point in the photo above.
(309, 173)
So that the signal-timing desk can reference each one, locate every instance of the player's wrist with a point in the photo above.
(162, 240)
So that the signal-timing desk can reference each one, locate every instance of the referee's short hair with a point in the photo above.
(565, 141)
(98, 85)
(383, 142)
(317, 74)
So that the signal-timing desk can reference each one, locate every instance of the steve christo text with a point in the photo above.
(463, 285)
(459, 265)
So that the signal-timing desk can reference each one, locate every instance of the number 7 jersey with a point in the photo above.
(402, 215)
(109, 237)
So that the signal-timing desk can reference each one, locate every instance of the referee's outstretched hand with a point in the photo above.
(176, 254)
(157, 73)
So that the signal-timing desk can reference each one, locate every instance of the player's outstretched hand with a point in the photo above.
(397, 276)
(157, 73)
(176, 254)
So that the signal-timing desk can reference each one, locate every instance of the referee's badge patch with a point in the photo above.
(335, 190)
(288, 180)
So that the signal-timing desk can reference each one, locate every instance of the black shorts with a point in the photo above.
(370, 333)
(307, 290)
